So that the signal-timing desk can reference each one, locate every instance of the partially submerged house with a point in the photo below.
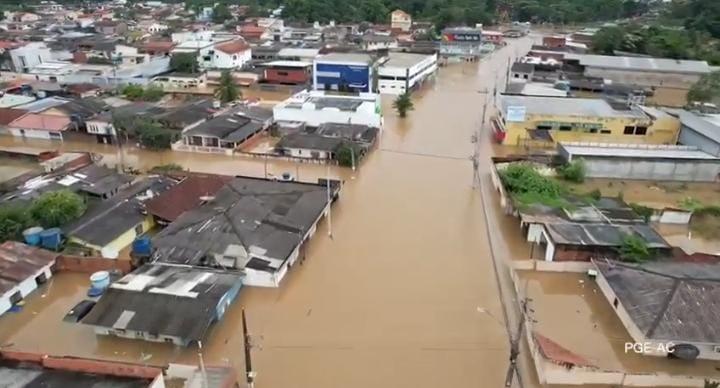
(22, 269)
(191, 191)
(325, 141)
(254, 225)
(670, 307)
(165, 303)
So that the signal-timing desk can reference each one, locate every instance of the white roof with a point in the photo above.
(554, 106)
(635, 151)
(404, 60)
(288, 64)
(298, 52)
(641, 64)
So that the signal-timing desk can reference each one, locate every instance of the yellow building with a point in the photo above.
(526, 120)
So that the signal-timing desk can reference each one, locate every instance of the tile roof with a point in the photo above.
(557, 354)
(233, 47)
(8, 115)
(41, 122)
(185, 195)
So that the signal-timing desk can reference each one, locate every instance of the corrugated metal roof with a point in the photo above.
(635, 151)
(665, 65)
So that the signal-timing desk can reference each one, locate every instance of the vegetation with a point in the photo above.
(99, 61)
(169, 167)
(634, 249)
(707, 89)
(573, 171)
(403, 104)
(595, 195)
(643, 211)
(347, 154)
(527, 186)
(184, 62)
(153, 136)
(227, 91)
(221, 14)
(13, 220)
(57, 208)
(138, 93)
(711, 384)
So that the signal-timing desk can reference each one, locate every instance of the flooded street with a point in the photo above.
(403, 295)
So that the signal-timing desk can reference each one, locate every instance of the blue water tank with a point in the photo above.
(141, 246)
(32, 235)
(51, 238)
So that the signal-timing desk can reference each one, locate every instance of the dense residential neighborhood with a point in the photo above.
(350, 194)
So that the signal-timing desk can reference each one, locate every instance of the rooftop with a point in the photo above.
(641, 64)
(233, 47)
(558, 106)
(361, 58)
(41, 122)
(8, 115)
(19, 262)
(43, 104)
(24, 375)
(635, 151)
(254, 112)
(706, 125)
(296, 64)
(668, 301)
(167, 300)
(310, 141)
(603, 235)
(186, 195)
(404, 60)
(260, 217)
(226, 127)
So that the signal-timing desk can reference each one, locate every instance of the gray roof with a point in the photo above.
(561, 106)
(310, 141)
(22, 375)
(635, 151)
(354, 132)
(403, 60)
(602, 235)
(186, 114)
(226, 127)
(345, 58)
(43, 104)
(665, 65)
(254, 112)
(521, 67)
(106, 220)
(167, 300)
(378, 38)
(669, 301)
(251, 214)
(701, 124)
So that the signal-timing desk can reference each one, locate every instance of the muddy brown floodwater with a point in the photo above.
(403, 295)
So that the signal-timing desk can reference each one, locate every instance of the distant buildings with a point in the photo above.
(524, 120)
(324, 142)
(400, 20)
(287, 72)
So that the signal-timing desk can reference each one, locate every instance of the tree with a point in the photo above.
(711, 384)
(634, 249)
(184, 62)
(403, 104)
(347, 155)
(573, 171)
(13, 220)
(607, 40)
(706, 89)
(221, 14)
(226, 90)
(57, 208)
(133, 92)
(153, 93)
(153, 136)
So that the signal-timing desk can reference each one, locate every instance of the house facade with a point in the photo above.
(401, 20)
(231, 55)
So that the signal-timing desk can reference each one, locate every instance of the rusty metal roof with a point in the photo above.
(19, 261)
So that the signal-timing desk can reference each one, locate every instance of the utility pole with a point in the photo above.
(476, 153)
(202, 366)
(515, 345)
(249, 374)
(329, 202)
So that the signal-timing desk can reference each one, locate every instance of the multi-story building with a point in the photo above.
(402, 72)
(525, 120)
(344, 72)
(401, 20)
(461, 41)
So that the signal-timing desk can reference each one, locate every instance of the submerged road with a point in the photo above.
(409, 292)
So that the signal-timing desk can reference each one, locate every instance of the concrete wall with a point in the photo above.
(652, 169)
(36, 134)
(644, 78)
(690, 137)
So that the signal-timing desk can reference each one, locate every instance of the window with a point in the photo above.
(616, 303)
(525, 76)
(283, 73)
(605, 131)
(629, 130)
(543, 127)
(641, 130)
(565, 128)
(516, 75)
(234, 57)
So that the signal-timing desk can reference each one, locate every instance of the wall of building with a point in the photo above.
(231, 61)
(307, 153)
(122, 241)
(652, 169)
(644, 78)
(661, 131)
(91, 265)
(366, 114)
(689, 136)
(286, 76)
(26, 57)
(36, 134)
(333, 75)
(392, 80)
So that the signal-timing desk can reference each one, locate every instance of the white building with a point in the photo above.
(231, 55)
(23, 269)
(155, 28)
(316, 107)
(404, 71)
(185, 36)
(54, 71)
(32, 54)
(373, 42)
(298, 54)
(401, 20)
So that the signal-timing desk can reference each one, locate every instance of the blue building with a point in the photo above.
(344, 72)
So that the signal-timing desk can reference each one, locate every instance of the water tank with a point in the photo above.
(100, 280)
(32, 235)
(141, 246)
(51, 238)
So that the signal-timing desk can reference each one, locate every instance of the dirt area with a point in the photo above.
(261, 145)
(656, 195)
(572, 311)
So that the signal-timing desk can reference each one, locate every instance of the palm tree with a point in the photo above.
(403, 104)
(227, 91)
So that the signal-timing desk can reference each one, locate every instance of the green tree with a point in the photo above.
(133, 92)
(153, 93)
(607, 40)
(634, 249)
(347, 154)
(573, 171)
(226, 90)
(706, 89)
(184, 62)
(57, 208)
(403, 104)
(153, 136)
(13, 220)
(221, 14)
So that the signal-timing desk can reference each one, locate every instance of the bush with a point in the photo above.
(153, 93)
(57, 208)
(345, 155)
(527, 186)
(13, 220)
(133, 92)
(634, 249)
(643, 211)
(595, 195)
(573, 171)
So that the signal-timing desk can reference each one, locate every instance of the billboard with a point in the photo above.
(333, 76)
(461, 37)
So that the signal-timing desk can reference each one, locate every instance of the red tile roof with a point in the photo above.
(8, 115)
(41, 122)
(158, 45)
(185, 195)
(557, 354)
(233, 47)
